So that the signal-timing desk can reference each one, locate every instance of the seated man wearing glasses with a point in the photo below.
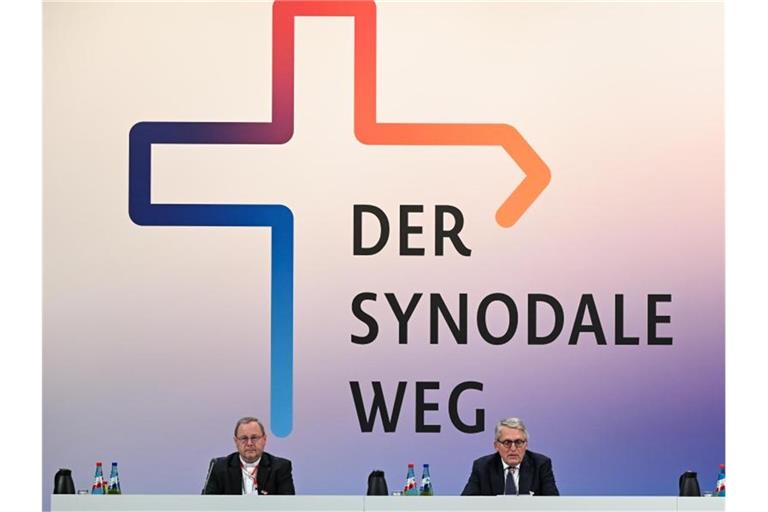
(512, 469)
(250, 470)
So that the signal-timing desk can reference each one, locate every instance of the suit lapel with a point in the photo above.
(265, 466)
(526, 475)
(497, 476)
(235, 477)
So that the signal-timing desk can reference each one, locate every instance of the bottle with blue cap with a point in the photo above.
(114, 481)
(426, 482)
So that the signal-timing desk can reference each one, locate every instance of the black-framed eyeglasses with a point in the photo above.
(252, 439)
(509, 443)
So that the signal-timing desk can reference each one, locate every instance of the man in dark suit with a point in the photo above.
(249, 470)
(513, 469)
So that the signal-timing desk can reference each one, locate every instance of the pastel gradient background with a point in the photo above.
(156, 338)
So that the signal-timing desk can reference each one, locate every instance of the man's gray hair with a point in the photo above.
(249, 419)
(515, 423)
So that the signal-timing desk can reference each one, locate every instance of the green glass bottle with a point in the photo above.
(426, 483)
(114, 481)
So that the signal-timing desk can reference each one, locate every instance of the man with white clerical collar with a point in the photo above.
(250, 470)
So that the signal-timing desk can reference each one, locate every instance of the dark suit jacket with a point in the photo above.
(273, 476)
(487, 477)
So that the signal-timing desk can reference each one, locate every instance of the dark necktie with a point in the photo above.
(509, 485)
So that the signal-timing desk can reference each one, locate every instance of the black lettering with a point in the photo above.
(453, 409)
(533, 300)
(357, 310)
(619, 324)
(482, 323)
(452, 234)
(654, 319)
(378, 406)
(422, 406)
(357, 230)
(587, 303)
(437, 304)
(406, 229)
(402, 316)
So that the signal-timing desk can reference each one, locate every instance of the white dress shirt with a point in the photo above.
(515, 474)
(248, 471)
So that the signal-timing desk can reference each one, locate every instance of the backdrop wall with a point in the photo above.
(157, 338)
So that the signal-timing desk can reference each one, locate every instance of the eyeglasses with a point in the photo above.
(252, 439)
(509, 443)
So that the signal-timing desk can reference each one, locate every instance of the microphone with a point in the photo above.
(208, 476)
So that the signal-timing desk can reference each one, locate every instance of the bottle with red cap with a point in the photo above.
(99, 485)
(720, 487)
(410, 488)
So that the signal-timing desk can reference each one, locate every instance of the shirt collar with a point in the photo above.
(505, 466)
(249, 464)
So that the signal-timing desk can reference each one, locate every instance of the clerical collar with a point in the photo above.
(249, 465)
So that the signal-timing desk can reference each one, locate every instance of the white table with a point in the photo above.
(162, 503)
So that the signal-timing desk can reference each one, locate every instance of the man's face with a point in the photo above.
(507, 445)
(250, 441)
